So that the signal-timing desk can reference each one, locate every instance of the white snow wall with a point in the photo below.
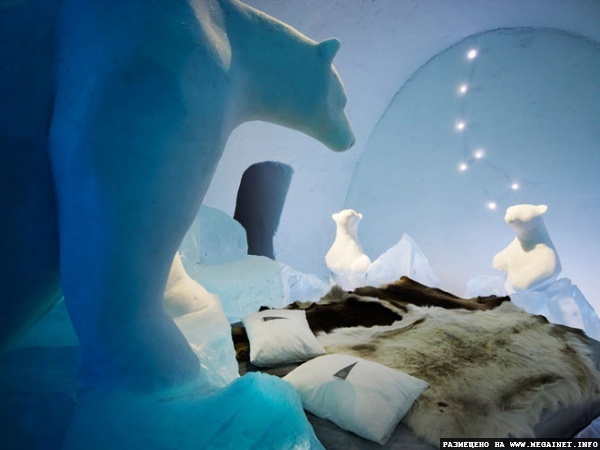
(384, 43)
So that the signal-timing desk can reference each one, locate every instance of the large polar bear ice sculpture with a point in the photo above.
(114, 116)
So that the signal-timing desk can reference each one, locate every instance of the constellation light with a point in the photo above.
(463, 88)
(472, 54)
(515, 186)
(479, 153)
(463, 166)
(460, 125)
(492, 205)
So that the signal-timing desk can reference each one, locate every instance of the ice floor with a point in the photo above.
(38, 411)
(37, 403)
(38, 383)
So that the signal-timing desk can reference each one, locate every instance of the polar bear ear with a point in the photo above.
(328, 49)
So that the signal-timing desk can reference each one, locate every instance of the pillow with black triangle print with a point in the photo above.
(280, 336)
(364, 397)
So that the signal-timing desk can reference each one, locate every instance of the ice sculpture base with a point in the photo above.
(255, 411)
(561, 302)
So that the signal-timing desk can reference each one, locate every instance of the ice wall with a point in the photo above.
(525, 131)
(214, 254)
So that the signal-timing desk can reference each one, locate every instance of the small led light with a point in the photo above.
(515, 186)
(463, 166)
(460, 126)
(472, 54)
(492, 205)
(463, 88)
(479, 153)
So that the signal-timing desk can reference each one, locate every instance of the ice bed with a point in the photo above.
(483, 367)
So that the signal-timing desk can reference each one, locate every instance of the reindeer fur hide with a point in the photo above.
(491, 373)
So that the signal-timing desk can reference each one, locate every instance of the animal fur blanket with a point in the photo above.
(491, 373)
(368, 306)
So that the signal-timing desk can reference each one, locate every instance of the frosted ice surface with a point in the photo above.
(214, 238)
(485, 285)
(561, 302)
(243, 285)
(213, 256)
(301, 286)
(183, 294)
(255, 411)
(209, 334)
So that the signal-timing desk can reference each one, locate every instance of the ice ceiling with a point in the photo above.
(532, 109)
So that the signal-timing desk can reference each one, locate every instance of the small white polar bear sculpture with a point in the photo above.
(350, 267)
(530, 260)
(345, 259)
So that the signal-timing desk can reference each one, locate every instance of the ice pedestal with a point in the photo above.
(531, 267)
(485, 285)
(561, 302)
(209, 334)
(243, 286)
(255, 411)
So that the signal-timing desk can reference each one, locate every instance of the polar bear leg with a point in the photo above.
(113, 280)
(128, 187)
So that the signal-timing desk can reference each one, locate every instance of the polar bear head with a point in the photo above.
(525, 217)
(287, 78)
(348, 219)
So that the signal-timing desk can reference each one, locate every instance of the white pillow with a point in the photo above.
(360, 396)
(279, 336)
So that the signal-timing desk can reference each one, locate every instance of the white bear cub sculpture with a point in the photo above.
(530, 260)
(345, 259)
